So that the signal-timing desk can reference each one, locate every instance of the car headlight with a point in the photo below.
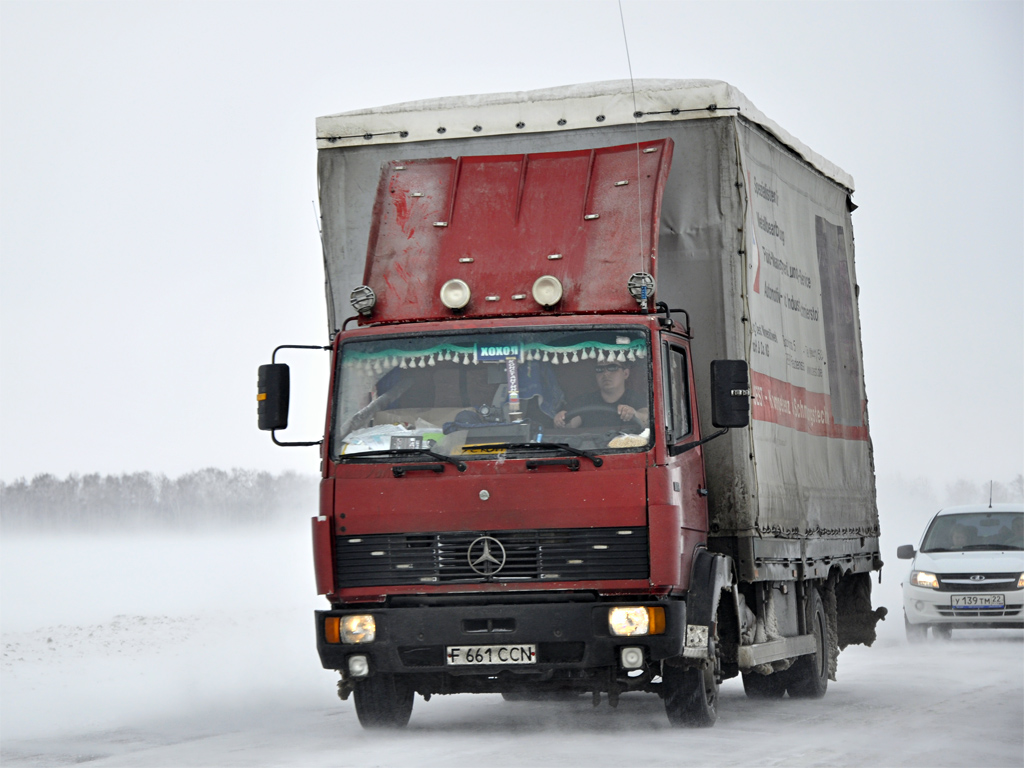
(1020, 582)
(634, 620)
(924, 579)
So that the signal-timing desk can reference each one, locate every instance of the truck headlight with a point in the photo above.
(924, 579)
(360, 628)
(629, 621)
(350, 629)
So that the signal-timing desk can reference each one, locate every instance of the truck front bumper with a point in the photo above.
(571, 639)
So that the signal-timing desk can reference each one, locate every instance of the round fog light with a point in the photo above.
(358, 666)
(547, 290)
(632, 657)
(919, 605)
(455, 294)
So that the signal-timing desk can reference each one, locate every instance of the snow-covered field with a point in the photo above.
(198, 650)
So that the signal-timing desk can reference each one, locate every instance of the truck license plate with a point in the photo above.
(462, 655)
(979, 601)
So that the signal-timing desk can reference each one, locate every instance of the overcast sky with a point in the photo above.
(158, 167)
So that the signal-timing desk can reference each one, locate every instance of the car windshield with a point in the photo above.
(456, 394)
(975, 531)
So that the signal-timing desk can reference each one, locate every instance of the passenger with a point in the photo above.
(959, 537)
(611, 405)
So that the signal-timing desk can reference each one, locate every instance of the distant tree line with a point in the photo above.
(147, 500)
(965, 492)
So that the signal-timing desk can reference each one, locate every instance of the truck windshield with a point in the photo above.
(975, 531)
(458, 393)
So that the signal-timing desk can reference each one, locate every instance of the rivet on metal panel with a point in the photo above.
(650, 149)
(561, 121)
(493, 298)
(440, 223)
(554, 256)
(600, 118)
(442, 129)
(621, 183)
(590, 216)
(416, 194)
(477, 128)
(518, 296)
(466, 260)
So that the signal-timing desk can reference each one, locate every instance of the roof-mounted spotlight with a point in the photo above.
(455, 294)
(363, 299)
(547, 290)
(641, 287)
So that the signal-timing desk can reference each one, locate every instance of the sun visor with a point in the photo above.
(499, 224)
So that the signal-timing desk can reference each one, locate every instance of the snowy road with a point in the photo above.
(176, 651)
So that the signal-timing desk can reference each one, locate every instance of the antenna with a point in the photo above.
(990, 494)
(636, 128)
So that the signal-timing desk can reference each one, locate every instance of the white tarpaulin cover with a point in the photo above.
(755, 243)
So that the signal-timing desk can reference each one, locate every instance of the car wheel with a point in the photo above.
(942, 631)
(916, 633)
(383, 701)
(808, 677)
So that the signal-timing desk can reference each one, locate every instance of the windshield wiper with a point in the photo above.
(598, 461)
(395, 452)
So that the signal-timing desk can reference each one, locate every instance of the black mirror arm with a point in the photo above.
(273, 357)
(273, 436)
(675, 450)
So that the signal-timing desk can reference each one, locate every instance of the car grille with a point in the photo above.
(570, 554)
(968, 582)
(979, 612)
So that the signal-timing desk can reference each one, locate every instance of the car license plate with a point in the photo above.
(464, 655)
(979, 601)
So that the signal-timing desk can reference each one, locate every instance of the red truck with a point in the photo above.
(596, 421)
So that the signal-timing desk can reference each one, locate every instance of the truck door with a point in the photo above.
(684, 464)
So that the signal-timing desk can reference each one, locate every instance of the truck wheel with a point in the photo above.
(916, 633)
(691, 696)
(383, 701)
(764, 686)
(808, 677)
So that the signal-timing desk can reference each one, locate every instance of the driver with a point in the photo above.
(610, 405)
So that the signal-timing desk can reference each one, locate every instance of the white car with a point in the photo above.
(967, 573)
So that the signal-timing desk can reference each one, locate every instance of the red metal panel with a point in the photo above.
(493, 221)
(374, 501)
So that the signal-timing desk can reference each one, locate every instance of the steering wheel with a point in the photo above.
(612, 408)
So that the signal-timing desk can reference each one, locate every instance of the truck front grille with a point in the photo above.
(569, 554)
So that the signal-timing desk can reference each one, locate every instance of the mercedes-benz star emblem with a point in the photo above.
(486, 555)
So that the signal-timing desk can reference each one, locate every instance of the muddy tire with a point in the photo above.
(808, 677)
(916, 633)
(383, 701)
(691, 696)
(764, 686)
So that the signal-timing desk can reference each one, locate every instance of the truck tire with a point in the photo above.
(808, 677)
(916, 633)
(691, 695)
(764, 686)
(383, 701)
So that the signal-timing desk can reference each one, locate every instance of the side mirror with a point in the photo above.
(272, 396)
(730, 393)
(905, 552)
